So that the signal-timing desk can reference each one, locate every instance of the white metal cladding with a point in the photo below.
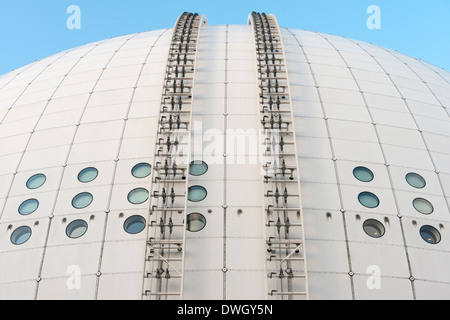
(354, 104)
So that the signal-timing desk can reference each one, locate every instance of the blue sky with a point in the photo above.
(34, 29)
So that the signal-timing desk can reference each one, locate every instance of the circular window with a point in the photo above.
(28, 207)
(138, 196)
(430, 234)
(198, 168)
(134, 224)
(36, 181)
(363, 174)
(423, 206)
(368, 200)
(82, 200)
(76, 229)
(197, 193)
(21, 235)
(195, 222)
(415, 180)
(141, 170)
(88, 175)
(374, 228)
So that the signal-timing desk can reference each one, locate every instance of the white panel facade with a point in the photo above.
(380, 113)
(354, 105)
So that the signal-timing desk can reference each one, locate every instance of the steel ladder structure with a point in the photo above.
(166, 234)
(286, 257)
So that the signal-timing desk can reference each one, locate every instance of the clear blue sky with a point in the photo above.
(34, 29)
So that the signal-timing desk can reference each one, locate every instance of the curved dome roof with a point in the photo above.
(97, 106)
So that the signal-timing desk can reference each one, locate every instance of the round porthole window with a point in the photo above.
(423, 206)
(76, 229)
(374, 228)
(28, 207)
(141, 170)
(197, 193)
(21, 235)
(363, 174)
(36, 181)
(138, 196)
(415, 180)
(430, 234)
(134, 224)
(195, 222)
(88, 175)
(368, 200)
(82, 200)
(198, 168)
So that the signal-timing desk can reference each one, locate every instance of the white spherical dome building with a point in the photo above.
(225, 162)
